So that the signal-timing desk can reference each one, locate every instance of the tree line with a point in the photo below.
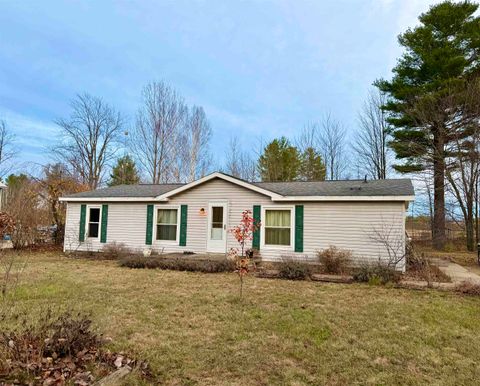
(321, 150)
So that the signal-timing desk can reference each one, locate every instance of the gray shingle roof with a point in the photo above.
(141, 190)
(354, 188)
(393, 187)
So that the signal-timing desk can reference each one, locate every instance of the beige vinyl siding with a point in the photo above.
(353, 226)
(349, 225)
(237, 198)
(127, 221)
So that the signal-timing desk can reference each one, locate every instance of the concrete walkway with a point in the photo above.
(456, 272)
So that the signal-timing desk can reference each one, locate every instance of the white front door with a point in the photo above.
(217, 227)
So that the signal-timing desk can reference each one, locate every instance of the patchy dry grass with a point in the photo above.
(192, 329)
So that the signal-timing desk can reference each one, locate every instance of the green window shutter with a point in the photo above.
(298, 228)
(183, 225)
(103, 233)
(149, 233)
(256, 234)
(83, 217)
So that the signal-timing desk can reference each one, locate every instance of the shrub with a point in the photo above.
(115, 251)
(334, 260)
(136, 262)
(378, 273)
(468, 288)
(294, 270)
(179, 264)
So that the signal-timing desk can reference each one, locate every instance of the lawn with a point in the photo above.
(192, 329)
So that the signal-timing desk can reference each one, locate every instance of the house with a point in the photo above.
(297, 218)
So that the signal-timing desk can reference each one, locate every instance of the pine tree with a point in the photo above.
(440, 55)
(124, 172)
(280, 161)
(312, 166)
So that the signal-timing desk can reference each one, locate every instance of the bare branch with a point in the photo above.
(372, 137)
(89, 137)
(158, 130)
(332, 142)
(240, 163)
(7, 150)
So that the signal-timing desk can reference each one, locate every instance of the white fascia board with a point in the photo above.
(224, 177)
(344, 198)
(108, 199)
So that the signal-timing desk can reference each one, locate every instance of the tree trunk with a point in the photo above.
(476, 209)
(469, 226)
(439, 237)
(470, 223)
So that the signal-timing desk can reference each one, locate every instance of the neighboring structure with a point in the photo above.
(297, 218)
(3, 195)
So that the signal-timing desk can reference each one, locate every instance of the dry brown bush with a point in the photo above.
(376, 273)
(115, 251)
(179, 264)
(419, 267)
(334, 260)
(24, 205)
(291, 269)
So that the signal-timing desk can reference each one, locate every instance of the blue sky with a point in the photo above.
(259, 68)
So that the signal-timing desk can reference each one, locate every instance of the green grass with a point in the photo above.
(192, 328)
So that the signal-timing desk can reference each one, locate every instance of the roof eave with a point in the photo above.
(345, 198)
(276, 199)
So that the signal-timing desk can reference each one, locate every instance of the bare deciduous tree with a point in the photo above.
(424, 188)
(239, 163)
(23, 203)
(458, 108)
(371, 143)
(308, 137)
(155, 139)
(195, 147)
(7, 149)
(55, 183)
(463, 169)
(88, 138)
(332, 143)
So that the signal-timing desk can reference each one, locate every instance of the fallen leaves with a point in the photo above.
(60, 351)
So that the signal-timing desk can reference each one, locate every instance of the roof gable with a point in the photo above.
(236, 181)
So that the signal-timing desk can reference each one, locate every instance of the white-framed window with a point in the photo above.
(93, 220)
(278, 226)
(167, 223)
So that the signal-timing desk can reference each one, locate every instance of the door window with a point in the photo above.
(217, 223)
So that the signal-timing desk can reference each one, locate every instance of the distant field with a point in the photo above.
(192, 329)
